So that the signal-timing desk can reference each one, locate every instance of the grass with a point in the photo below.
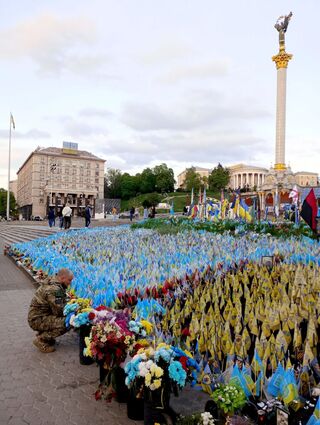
(180, 199)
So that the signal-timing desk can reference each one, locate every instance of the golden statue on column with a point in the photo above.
(281, 60)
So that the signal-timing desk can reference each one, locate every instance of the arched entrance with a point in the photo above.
(269, 200)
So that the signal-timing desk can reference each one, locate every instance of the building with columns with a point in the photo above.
(52, 177)
(242, 175)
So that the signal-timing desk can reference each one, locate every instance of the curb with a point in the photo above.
(28, 273)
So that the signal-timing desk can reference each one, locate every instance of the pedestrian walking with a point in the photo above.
(46, 310)
(51, 217)
(67, 213)
(60, 216)
(132, 211)
(87, 215)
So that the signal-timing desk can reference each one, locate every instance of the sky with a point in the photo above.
(142, 82)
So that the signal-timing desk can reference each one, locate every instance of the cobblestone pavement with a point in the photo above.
(51, 389)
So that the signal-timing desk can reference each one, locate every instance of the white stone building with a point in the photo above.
(51, 177)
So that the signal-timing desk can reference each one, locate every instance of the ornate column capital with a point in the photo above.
(282, 59)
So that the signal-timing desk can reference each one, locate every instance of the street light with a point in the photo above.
(52, 169)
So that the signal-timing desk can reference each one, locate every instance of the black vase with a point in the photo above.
(119, 385)
(84, 331)
(156, 406)
(135, 407)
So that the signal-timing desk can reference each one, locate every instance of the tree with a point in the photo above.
(147, 181)
(164, 178)
(192, 179)
(128, 186)
(219, 178)
(151, 200)
(3, 203)
(112, 183)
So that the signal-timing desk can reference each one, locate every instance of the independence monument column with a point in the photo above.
(281, 60)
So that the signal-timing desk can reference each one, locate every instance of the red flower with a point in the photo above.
(101, 308)
(183, 360)
(91, 315)
(185, 332)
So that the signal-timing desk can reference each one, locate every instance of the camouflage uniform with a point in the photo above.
(46, 310)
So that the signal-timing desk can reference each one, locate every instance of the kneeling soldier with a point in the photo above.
(46, 310)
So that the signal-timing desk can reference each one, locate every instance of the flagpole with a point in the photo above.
(9, 163)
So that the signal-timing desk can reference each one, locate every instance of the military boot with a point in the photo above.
(43, 346)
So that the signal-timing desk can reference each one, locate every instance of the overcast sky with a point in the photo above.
(140, 82)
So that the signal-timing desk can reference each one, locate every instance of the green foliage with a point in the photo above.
(112, 183)
(192, 179)
(164, 178)
(129, 186)
(219, 178)
(3, 203)
(147, 181)
(229, 398)
(152, 199)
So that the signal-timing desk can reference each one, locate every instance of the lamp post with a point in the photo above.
(52, 169)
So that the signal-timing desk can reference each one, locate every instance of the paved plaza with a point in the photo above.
(51, 389)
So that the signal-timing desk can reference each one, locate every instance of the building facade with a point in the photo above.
(13, 187)
(250, 176)
(306, 178)
(52, 177)
(241, 175)
(203, 172)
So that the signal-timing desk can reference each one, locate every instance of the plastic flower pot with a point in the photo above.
(135, 407)
(84, 331)
(156, 406)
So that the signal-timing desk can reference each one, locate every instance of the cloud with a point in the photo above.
(196, 147)
(54, 44)
(30, 134)
(75, 128)
(208, 70)
(93, 112)
(166, 52)
(200, 109)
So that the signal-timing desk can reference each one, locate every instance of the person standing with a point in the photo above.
(51, 217)
(145, 213)
(114, 213)
(132, 211)
(60, 216)
(87, 215)
(46, 310)
(67, 213)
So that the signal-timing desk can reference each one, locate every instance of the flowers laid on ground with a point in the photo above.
(118, 266)
(164, 366)
(77, 311)
(229, 398)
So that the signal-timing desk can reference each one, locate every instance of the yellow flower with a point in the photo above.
(147, 325)
(162, 345)
(143, 342)
(156, 383)
(147, 379)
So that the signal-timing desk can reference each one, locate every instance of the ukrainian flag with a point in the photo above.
(315, 418)
(244, 211)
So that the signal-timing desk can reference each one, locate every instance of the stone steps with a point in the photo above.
(13, 233)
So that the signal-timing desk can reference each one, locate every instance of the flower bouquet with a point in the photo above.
(204, 418)
(158, 372)
(229, 398)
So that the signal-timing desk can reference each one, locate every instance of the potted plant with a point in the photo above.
(229, 398)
